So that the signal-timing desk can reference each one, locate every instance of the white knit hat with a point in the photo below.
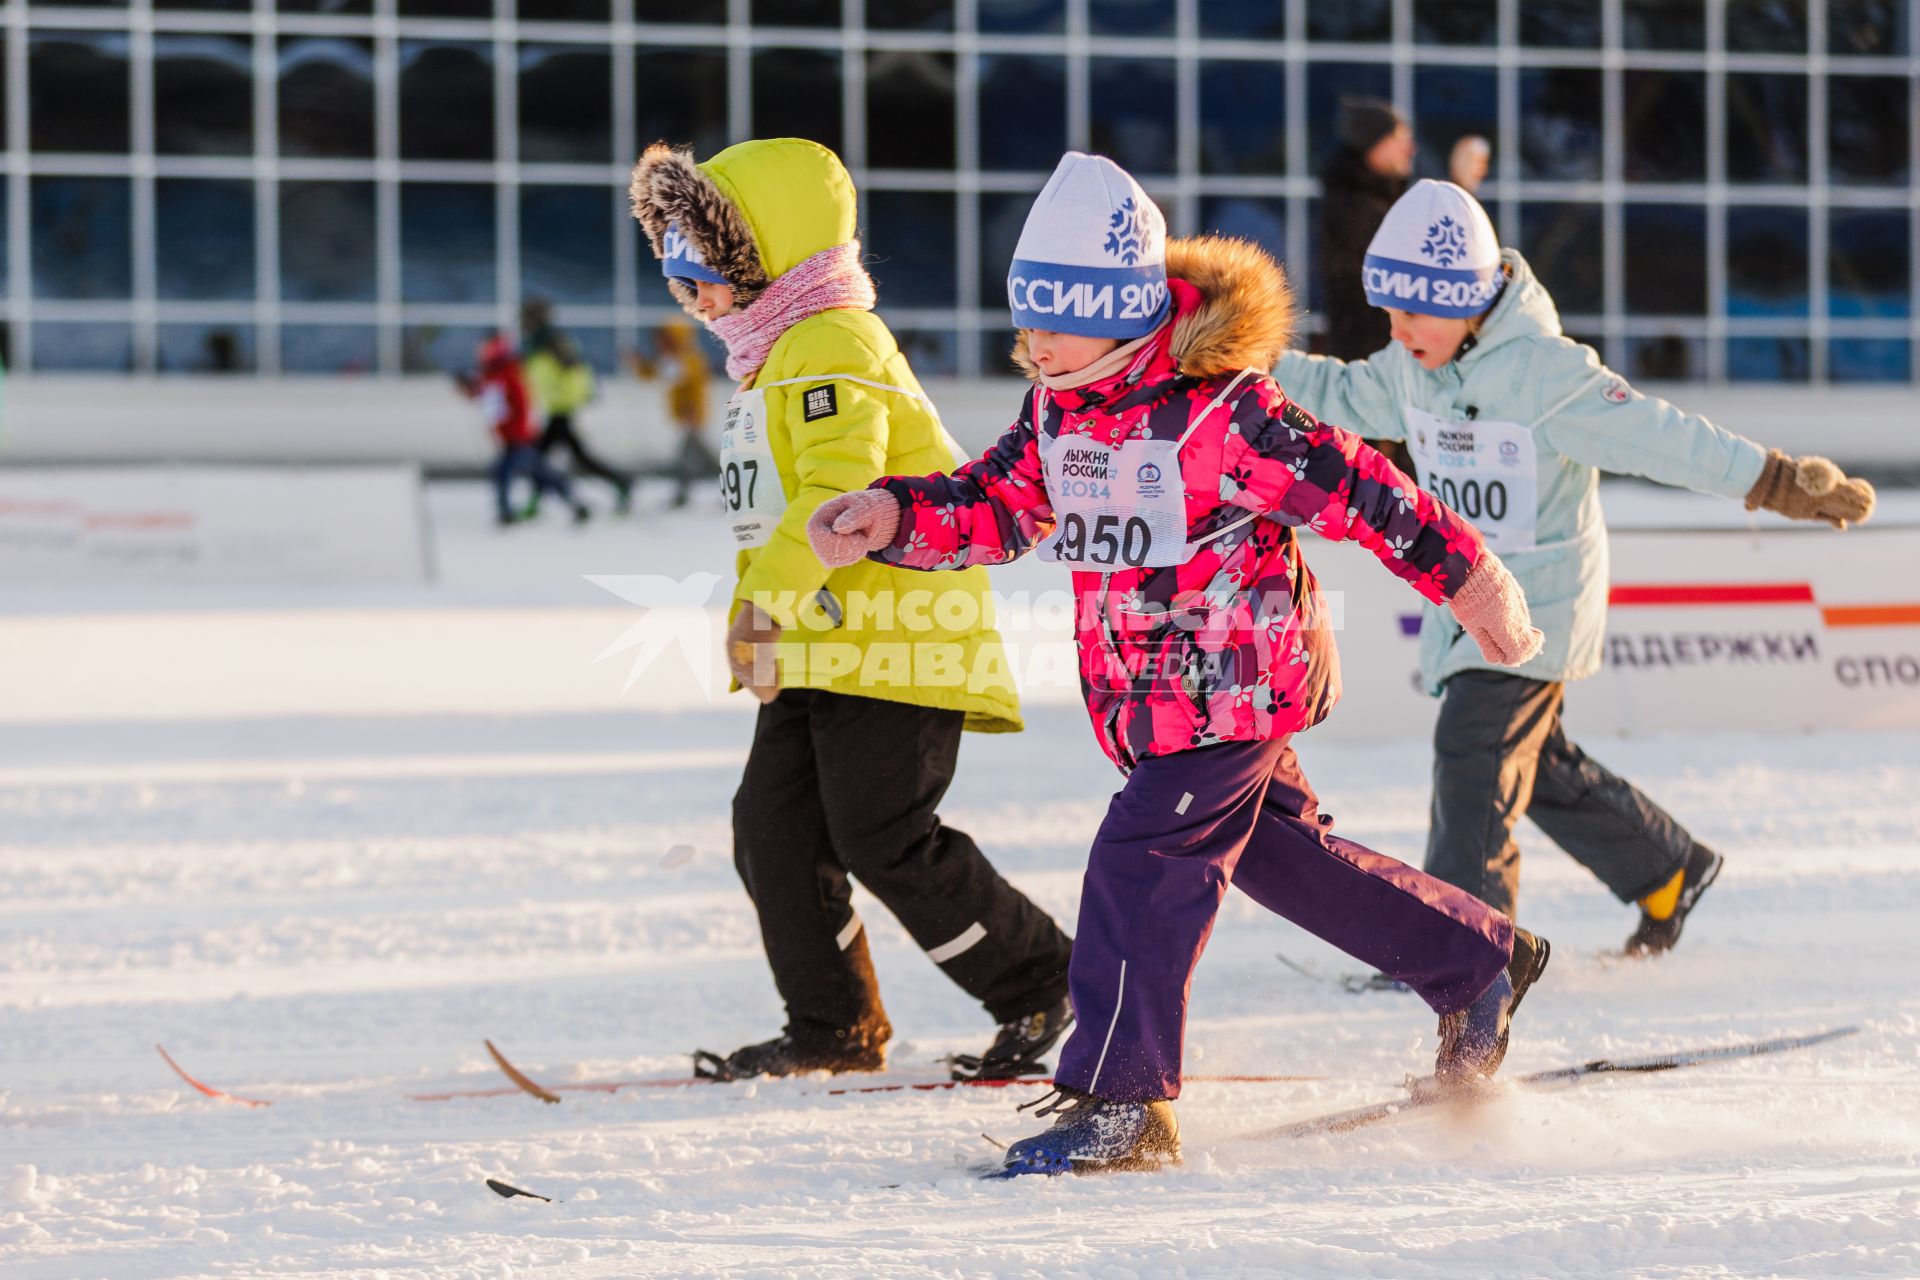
(1092, 258)
(1435, 254)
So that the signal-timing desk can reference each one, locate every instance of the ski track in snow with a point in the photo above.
(333, 933)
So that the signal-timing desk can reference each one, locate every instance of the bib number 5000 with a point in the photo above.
(1472, 499)
(1114, 540)
(738, 482)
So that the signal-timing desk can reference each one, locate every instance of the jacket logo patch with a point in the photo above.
(1614, 392)
(819, 402)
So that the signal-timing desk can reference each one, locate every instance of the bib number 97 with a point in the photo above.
(738, 483)
(1474, 500)
(1112, 540)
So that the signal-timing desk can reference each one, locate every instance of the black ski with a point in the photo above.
(507, 1191)
(1425, 1092)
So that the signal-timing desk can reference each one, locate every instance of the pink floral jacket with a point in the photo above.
(1233, 645)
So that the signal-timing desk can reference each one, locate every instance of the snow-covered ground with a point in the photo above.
(309, 901)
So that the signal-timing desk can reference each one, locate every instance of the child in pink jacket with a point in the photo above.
(1154, 458)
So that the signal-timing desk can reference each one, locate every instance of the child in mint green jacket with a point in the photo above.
(1510, 423)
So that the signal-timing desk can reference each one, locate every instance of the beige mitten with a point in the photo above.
(750, 652)
(1810, 488)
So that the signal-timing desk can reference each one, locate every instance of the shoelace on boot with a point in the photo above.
(1059, 1098)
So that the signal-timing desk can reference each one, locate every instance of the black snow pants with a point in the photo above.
(838, 785)
(560, 434)
(1500, 754)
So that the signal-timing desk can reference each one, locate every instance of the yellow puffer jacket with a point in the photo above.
(869, 629)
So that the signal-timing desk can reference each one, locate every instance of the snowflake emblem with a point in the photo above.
(1128, 237)
(1446, 242)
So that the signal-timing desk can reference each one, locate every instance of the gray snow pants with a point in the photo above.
(1500, 755)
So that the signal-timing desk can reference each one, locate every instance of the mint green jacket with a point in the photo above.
(1584, 418)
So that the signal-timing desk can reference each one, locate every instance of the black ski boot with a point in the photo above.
(1018, 1046)
(1096, 1135)
(790, 1055)
(1656, 936)
(1473, 1041)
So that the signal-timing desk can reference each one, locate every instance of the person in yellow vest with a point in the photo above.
(562, 383)
(866, 677)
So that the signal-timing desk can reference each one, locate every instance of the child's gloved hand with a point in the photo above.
(1492, 608)
(1810, 488)
(750, 641)
(847, 527)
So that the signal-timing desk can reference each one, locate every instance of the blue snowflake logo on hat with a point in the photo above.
(1446, 241)
(1128, 236)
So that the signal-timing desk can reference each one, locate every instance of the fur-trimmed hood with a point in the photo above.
(1246, 312)
(755, 211)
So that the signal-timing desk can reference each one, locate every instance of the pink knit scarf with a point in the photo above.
(831, 280)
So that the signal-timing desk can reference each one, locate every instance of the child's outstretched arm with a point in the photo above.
(1297, 471)
(1356, 392)
(1607, 424)
(989, 511)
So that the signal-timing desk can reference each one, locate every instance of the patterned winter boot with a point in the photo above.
(1096, 1135)
(1473, 1041)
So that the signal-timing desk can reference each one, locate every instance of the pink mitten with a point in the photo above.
(1493, 610)
(847, 527)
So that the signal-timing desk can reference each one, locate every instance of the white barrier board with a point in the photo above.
(71, 525)
(1774, 630)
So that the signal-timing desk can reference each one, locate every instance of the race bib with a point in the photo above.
(1486, 471)
(1118, 506)
(749, 477)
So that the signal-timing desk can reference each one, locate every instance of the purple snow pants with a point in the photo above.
(1184, 828)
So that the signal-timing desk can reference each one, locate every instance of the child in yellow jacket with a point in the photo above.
(864, 698)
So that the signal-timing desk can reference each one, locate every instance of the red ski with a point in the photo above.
(219, 1095)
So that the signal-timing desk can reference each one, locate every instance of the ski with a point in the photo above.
(524, 1083)
(219, 1095)
(1425, 1092)
(1047, 1081)
(518, 1077)
(507, 1191)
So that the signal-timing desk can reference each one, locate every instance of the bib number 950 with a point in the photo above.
(1113, 540)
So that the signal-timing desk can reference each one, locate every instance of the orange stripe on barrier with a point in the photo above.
(1714, 593)
(1871, 615)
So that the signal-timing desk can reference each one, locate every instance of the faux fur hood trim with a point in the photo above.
(1246, 311)
(669, 187)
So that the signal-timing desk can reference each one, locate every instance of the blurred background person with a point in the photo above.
(1468, 162)
(562, 384)
(499, 385)
(679, 359)
(1371, 168)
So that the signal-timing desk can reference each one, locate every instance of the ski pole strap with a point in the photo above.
(1212, 404)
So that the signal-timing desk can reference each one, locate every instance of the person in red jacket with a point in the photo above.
(499, 385)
